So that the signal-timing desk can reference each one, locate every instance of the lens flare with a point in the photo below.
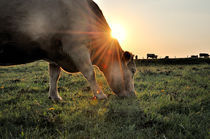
(118, 32)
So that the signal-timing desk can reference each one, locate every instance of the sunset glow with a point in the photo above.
(118, 32)
(160, 26)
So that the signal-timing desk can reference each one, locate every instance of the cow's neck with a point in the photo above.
(106, 56)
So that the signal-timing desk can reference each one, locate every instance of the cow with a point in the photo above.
(194, 56)
(204, 55)
(72, 35)
(136, 57)
(166, 57)
(153, 56)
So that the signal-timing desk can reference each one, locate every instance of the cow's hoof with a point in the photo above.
(56, 98)
(101, 96)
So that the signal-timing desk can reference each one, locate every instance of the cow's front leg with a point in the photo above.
(85, 66)
(80, 55)
(54, 72)
(90, 76)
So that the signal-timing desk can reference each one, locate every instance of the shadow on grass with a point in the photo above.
(131, 121)
(108, 118)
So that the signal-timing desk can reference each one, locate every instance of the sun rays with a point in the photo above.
(118, 32)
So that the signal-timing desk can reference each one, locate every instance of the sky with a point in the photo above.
(174, 28)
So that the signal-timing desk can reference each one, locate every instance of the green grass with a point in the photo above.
(172, 102)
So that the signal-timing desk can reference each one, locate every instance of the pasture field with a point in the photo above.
(173, 101)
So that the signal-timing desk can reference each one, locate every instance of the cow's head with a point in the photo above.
(122, 76)
(120, 71)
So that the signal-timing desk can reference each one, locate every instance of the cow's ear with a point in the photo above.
(127, 56)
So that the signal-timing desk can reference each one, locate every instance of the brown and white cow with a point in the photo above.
(69, 34)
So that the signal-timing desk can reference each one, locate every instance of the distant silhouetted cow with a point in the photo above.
(166, 57)
(136, 57)
(194, 56)
(153, 56)
(204, 55)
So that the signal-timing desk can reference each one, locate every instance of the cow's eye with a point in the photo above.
(133, 71)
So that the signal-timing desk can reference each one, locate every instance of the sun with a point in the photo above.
(118, 32)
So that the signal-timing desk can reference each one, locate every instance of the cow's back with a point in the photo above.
(33, 17)
(29, 28)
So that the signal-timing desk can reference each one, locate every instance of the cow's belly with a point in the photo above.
(13, 54)
(67, 64)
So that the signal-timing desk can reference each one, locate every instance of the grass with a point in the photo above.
(172, 102)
